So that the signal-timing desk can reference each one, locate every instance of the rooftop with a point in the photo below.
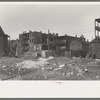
(96, 40)
(2, 32)
(98, 20)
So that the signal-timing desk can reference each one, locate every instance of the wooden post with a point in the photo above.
(48, 41)
(95, 28)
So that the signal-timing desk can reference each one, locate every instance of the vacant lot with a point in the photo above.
(52, 68)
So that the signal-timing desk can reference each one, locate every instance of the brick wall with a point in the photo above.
(35, 38)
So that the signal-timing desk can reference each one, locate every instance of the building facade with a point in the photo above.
(4, 51)
(61, 45)
(40, 44)
(94, 48)
(23, 43)
(79, 48)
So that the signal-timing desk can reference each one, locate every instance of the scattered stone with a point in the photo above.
(42, 68)
(86, 70)
(61, 66)
(71, 73)
(68, 74)
(97, 59)
(54, 64)
(57, 68)
(4, 66)
(97, 76)
(64, 74)
(9, 72)
(13, 69)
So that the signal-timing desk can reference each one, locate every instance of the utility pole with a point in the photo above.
(95, 27)
(48, 41)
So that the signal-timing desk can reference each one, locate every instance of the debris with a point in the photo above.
(9, 72)
(42, 68)
(32, 64)
(71, 73)
(54, 64)
(68, 74)
(97, 59)
(49, 69)
(45, 59)
(64, 74)
(57, 68)
(13, 69)
(4, 66)
(97, 76)
(86, 70)
(61, 66)
(79, 74)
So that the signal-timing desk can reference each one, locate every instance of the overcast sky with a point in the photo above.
(69, 19)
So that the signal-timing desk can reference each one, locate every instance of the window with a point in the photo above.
(34, 47)
(30, 40)
(40, 48)
(37, 48)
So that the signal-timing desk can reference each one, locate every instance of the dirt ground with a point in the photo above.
(52, 68)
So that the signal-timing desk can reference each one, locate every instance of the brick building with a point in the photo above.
(35, 43)
(79, 47)
(40, 43)
(3, 43)
(61, 45)
(23, 43)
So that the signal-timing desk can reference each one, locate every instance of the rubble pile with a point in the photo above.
(58, 68)
(34, 64)
(61, 69)
(9, 70)
(93, 63)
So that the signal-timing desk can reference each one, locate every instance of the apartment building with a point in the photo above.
(23, 43)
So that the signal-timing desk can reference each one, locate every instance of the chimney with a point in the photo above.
(75, 35)
(48, 31)
(56, 34)
(30, 31)
(87, 40)
(53, 33)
